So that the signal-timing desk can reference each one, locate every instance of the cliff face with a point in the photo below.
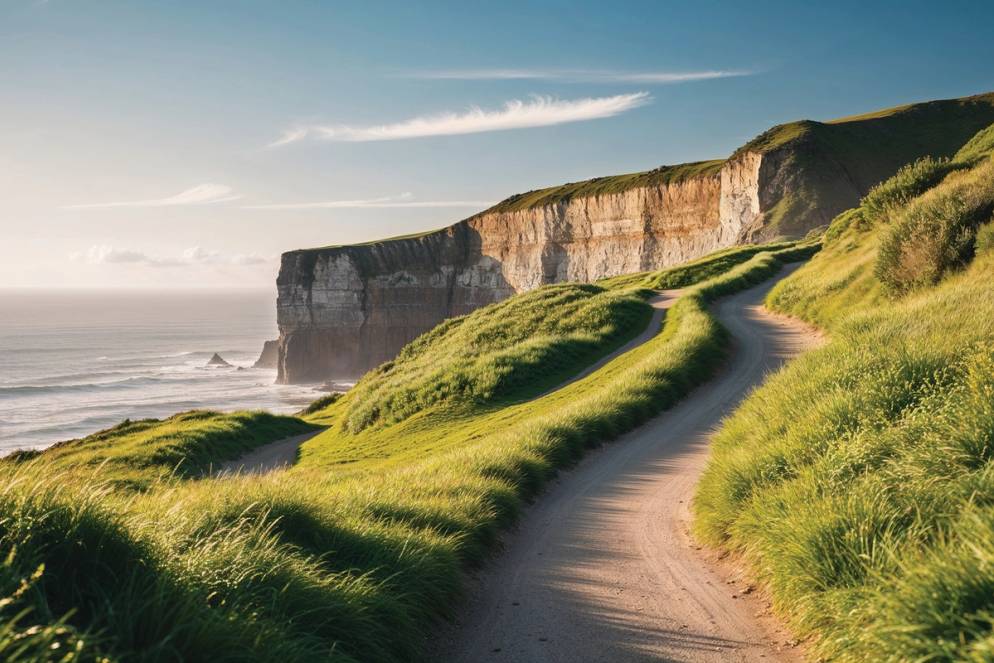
(343, 310)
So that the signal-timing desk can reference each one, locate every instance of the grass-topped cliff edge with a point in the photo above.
(858, 483)
(825, 161)
(351, 555)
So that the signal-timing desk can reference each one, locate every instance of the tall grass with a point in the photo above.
(936, 232)
(695, 271)
(314, 563)
(521, 345)
(857, 483)
(136, 454)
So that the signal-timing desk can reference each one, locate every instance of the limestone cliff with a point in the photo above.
(343, 310)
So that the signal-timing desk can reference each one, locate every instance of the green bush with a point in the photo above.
(985, 237)
(909, 182)
(979, 147)
(848, 219)
(935, 233)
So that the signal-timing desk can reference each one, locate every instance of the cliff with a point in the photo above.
(343, 310)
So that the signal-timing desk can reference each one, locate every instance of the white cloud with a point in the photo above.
(108, 255)
(403, 200)
(515, 114)
(581, 75)
(202, 194)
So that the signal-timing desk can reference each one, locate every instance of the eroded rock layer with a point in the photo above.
(344, 310)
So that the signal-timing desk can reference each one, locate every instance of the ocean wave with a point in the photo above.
(40, 389)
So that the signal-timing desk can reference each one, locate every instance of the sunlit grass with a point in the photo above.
(858, 483)
(352, 561)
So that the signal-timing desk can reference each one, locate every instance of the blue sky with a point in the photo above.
(182, 144)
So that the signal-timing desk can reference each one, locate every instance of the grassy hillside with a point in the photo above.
(348, 561)
(694, 271)
(482, 358)
(136, 454)
(858, 482)
(828, 163)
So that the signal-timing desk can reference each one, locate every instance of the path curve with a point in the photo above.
(660, 302)
(273, 456)
(283, 453)
(602, 568)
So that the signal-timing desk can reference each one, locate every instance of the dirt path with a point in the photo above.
(269, 457)
(602, 568)
(661, 301)
(283, 453)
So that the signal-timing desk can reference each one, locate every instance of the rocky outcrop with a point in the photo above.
(217, 360)
(269, 355)
(343, 310)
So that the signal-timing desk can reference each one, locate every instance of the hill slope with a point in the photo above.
(858, 482)
(351, 555)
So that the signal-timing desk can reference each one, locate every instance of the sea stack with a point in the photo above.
(269, 356)
(217, 360)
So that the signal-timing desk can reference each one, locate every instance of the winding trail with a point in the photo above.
(602, 567)
(283, 453)
(273, 456)
(660, 302)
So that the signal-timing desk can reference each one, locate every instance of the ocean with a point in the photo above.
(76, 362)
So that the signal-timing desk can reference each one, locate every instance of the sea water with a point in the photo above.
(76, 362)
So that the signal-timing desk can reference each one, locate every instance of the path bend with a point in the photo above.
(601, 567)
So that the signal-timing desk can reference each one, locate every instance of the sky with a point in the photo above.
(187, 144)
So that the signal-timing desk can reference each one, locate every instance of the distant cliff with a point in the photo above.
(343, 310)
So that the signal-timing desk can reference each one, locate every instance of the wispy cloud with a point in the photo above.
(581, 75)
(202, 194)
(101, 254)
(403, 200)
(515, 114)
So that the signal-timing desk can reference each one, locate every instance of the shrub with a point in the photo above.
(985, 237)
(935, 233)
(980, 146)
(852, 218)
(909, 182)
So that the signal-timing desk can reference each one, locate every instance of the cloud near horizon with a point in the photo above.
(101, 254)
(404, 200)
(540, 111)
(202, 194)
(581, 75)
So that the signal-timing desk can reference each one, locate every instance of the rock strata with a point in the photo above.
(343, 310)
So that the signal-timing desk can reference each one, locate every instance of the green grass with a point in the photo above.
(600, 186)
(825, 162)
(695, 271)
(509, 350)
(857, 483)
(342, 562)
(139, 453)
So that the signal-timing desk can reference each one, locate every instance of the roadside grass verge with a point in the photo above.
(692, 272)
(351, 563)
(857, 483)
